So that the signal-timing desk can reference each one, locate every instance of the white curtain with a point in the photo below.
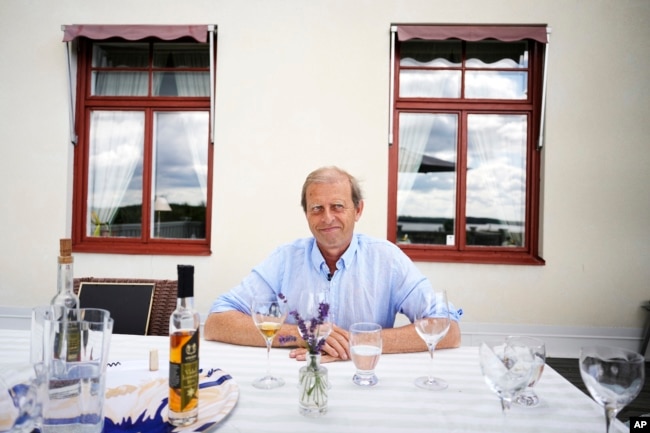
(187, 83)
(195, 125)
(414, 131)
(116, 149)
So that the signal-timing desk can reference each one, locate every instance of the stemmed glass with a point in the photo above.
(310, 303)
(528, 397)
(268, 315)
(506, 368)
(432, 323)
(613, 376)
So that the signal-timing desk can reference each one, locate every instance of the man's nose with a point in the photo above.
(328, 215)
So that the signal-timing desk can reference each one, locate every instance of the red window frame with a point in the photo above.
(85, 103)
(460, 252)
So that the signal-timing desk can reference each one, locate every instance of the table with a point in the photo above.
(395, 404)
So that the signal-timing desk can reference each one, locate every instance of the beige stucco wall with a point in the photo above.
(305, 83)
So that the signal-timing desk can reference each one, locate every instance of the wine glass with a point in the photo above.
(268, 315)
(528, 397)
(365, 348)
(432, 323)
(613, 376)
(506, 368)
(314, 310)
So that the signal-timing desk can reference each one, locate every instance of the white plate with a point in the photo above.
(136, 398)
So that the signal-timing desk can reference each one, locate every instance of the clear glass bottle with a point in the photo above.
(184, 353)
(65, 304)
(65, 296)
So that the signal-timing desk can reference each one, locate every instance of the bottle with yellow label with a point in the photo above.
(184, 353)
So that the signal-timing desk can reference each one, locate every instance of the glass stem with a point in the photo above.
(431, 349)
(610, 415)
(268, 358)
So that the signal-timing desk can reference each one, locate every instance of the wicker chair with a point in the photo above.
(164, 300)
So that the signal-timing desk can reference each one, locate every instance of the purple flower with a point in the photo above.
(310, 328)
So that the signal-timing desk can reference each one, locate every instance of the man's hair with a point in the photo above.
(331, 175)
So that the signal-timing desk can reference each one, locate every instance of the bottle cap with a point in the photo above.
(185, 281)
(65, 251)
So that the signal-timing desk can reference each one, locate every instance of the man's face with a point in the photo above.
(331, 215)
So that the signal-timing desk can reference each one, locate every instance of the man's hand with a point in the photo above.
(336, 347)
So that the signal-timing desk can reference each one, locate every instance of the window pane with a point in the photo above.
(429, 84)
(120, 55)
(181, 84)
(496, 179)
(181, 55)
(431, 53)
(426, 178)
(115, 174)
(496, 85)
(494, 54)
(180, 175)
(119, 83)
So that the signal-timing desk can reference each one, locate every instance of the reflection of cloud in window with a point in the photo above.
(495, 85)
(495, 179)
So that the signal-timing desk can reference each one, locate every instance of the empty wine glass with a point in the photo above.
(528, 397)
(268, 315)
(613, 376)
(432, 323)
(365, 348)
(506, 368)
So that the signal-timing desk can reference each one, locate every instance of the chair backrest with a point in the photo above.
(162, 304)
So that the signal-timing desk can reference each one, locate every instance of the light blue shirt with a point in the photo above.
(374, 280)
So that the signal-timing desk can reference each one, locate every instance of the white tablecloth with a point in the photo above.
(395, 404)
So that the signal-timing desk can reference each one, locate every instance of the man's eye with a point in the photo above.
(337, 207)
(316, 209)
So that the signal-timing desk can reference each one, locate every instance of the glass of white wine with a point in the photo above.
(268, 315)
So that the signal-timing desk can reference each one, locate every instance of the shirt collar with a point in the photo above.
(318, 261)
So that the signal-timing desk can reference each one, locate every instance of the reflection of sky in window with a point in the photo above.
(176, 178)
(496, 176)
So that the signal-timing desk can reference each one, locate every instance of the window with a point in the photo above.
(142, 176)
(464, 162)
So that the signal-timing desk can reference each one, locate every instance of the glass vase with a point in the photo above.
(312, 387)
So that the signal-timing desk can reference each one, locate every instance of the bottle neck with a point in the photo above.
(65, 281)
(186, 303)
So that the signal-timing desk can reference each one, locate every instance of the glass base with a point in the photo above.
(268, 382)
(365, 380)
(312, 412)
(526, 398)
(431, 383)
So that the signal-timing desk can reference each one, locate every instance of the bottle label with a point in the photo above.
(184, 371)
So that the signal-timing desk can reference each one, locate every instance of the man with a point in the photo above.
(369, 280)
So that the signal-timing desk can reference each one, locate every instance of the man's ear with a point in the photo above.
(358, 211)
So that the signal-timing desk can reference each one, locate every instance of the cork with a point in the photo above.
(153, 360)
(65, 251)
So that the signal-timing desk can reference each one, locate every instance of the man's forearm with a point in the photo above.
(405, 339)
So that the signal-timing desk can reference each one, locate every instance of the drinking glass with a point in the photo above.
(432, 323)
(506, 368)
(528, 397)
(365, 348)
(22, 393)
(313, 309)
(613, 376)
(268, 315)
